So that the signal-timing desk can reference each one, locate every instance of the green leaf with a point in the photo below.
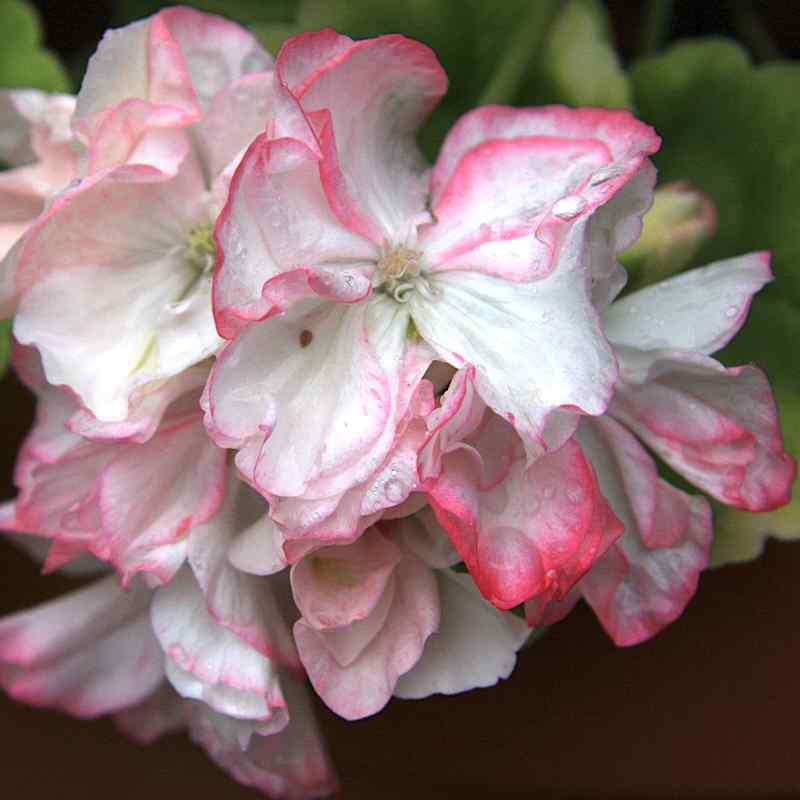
(731, 129)
(24, 62)
(579, 65)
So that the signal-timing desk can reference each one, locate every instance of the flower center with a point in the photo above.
(200, 251)
(200, 255)
(400, 272)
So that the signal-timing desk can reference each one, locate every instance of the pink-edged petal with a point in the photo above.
(645, 580)
(378, 92)
(700, 310)
(537, 532)
(522, 529)
(499, 213)
(249, 101)
(70, 623)
(628, 140)
(162, 713)
(365, 685)
(151, 495)
(216, 51)
(302, 56)
(475, 646)
(332, 371)
(537, 347)
(276, 222)
(336, 586)
(244, 604)
(717, 427)
(208, 662)
(342, 518)
(146, 411)
(151, 79)
(292, 764)
(88, 653)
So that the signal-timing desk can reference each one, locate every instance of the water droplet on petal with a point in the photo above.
(569, 207)
(549, 492)
(547, 316)
(394, 491)
(731, 311)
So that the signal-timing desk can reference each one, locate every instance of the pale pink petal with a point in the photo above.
(100, 275)
(364, 686)
(258, 548)
(378, 92)
(88, 653)
(151, 495)
(717, 427)
(248, 101)
(537, 347)
(499, 213)
(146, 411)
(333, 372)
(292, 764)
(649, 575)
(475, 645)
(245, 604)
(206, 661)
(700, 310)
(151, 79)
(342, 518)
(336, 586)
(628, 140)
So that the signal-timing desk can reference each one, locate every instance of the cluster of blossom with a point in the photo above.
(435, 404)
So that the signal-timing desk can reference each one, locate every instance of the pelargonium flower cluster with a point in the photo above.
(310, 409)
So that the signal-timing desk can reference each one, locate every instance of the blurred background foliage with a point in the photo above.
(715, 79)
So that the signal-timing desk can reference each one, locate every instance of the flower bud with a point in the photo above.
(680, 220)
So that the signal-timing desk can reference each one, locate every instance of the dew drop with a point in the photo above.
(549, 492)
(731, 311)
(547, 316)
(394, 490)
(569, 207)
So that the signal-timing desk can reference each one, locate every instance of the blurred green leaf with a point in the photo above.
(731, 129)
(24, 62)
(579, 65)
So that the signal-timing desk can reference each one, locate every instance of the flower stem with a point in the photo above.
(526, 43)
(656, 19)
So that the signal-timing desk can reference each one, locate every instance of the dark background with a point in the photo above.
(708, 709)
